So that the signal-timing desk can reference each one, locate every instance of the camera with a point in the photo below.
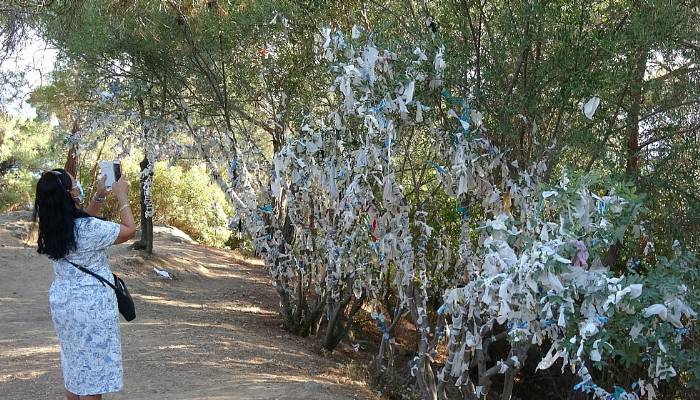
(112, 169)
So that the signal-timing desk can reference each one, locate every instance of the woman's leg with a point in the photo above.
(71, 395)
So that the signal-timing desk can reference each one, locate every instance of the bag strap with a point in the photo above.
(87, 271)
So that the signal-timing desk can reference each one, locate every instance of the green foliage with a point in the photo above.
(27, 148)
(32, 145)
(16, 190)
(656, 343)
(183, 197)
(187, 199)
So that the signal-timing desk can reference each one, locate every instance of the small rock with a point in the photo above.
(133, 260)
(312, 386)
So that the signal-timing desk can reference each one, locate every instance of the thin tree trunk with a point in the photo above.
(72, 159)
(146, 241)
(509, 379)
(632, 130)
(632, 166)
(454, 346)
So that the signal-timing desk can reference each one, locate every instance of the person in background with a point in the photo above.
(83, 310)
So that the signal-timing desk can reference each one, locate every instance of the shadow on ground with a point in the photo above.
(210, 333)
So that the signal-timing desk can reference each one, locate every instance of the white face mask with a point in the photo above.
(81, 193)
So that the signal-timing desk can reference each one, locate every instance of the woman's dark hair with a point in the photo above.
(57, 212)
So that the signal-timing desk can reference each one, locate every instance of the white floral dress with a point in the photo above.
(84, 312)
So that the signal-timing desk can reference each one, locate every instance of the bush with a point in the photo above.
(187, 199)
(26, 149)
(183, 197)
(16, 190)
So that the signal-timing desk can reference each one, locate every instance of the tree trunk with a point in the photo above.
(146, 241)
(639, 57)
(455, 334)
(509, 378)
(342, 318)
(72, 160)
(632, 130)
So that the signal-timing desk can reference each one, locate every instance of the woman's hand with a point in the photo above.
(120, 189)
(101, 190)
(93, 207)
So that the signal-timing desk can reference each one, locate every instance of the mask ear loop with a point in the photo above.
(78, 199)
(81, 192)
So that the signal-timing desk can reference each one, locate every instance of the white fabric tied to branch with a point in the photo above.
(524, 270)
(672, 312)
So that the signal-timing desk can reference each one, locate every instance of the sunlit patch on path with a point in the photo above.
(210, 333)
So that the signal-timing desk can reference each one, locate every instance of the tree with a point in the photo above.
(423, 171)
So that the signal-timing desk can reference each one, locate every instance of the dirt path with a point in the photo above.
(211, 333)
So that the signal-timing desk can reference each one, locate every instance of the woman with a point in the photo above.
(83, 310)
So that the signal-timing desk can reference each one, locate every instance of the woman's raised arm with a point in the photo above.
(127, 230)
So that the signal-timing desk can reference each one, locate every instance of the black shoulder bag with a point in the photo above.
(124, 300)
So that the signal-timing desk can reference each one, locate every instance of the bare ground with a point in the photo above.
(211, 333)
